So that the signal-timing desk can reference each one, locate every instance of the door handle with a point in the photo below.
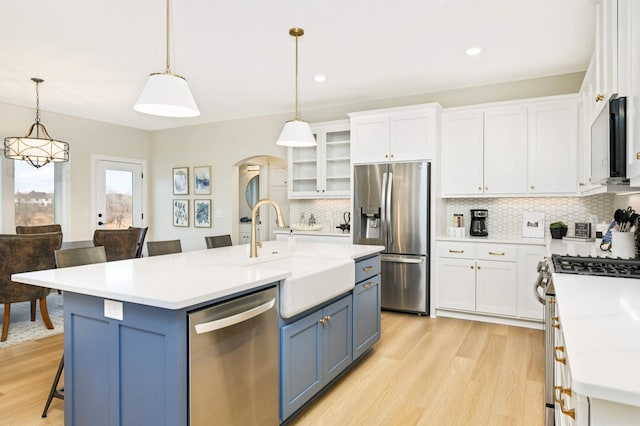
(401, 260)
(234, 319)
(100, 223)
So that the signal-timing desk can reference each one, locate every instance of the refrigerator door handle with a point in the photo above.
(394, 259)
(383, 208)
(389, 186)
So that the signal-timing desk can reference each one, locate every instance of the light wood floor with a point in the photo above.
(422, 372)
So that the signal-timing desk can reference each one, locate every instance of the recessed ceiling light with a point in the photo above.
(319, 78)
(473, 51)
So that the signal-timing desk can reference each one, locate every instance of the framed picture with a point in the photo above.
(180, 212)
(533, 225)
(181, 181)
(202, 213)
(202, 180)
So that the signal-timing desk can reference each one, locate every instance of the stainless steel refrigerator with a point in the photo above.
(391, 208)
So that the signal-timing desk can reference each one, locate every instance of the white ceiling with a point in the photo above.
(239, 59)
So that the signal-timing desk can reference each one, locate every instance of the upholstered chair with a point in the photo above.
(218, 241)
(119, 244)
(25, 253)
(38, 229)
(157, 248)
(142, 233)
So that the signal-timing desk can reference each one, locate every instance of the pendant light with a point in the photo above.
(167, 94)
(40, 149)
(296, 132)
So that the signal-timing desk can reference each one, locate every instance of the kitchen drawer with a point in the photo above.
(500, 252)
(367, 268)
(457, 250)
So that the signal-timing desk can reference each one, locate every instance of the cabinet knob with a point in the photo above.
(386, 156)
(533, 187)
(486, 188)
(478, 267)
(391, 155)
(479, 188)
(599, 97)
(471, 267)
(637, 155)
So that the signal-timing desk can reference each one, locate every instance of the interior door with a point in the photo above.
(118, 192)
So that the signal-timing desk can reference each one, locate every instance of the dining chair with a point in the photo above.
(215, 241)
(25, 253)
(157, 248)
(142, 234)
(38, 229)
(64, 259)
(119, 244)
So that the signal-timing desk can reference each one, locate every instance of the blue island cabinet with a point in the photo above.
(315, 349)
(124, 372)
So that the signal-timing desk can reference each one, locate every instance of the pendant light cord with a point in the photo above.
(168, 39)
(297, 116)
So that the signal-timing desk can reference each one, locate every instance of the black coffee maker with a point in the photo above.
(479, 223)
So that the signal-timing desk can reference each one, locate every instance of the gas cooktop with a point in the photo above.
(600, 266)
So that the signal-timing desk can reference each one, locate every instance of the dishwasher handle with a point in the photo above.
(207, 327)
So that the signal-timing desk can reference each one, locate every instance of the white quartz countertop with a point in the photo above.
(600, 320)
(177, 281)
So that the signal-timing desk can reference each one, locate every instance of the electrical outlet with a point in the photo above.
(113, 309)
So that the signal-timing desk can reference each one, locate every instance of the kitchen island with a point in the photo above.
(126, 332)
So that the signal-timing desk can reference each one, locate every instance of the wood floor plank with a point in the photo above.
(423, 371)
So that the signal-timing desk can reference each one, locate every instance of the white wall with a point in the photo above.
(85, 137)
(220, 145)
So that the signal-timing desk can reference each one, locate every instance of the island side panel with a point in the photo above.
(129, 372)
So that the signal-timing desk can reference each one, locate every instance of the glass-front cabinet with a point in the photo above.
(322, 171)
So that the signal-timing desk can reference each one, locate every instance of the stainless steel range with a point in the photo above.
(545, 293)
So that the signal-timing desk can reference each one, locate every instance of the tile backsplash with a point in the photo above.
(328, 213)
(506, 214)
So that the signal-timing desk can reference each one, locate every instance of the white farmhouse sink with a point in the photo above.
(314, 279)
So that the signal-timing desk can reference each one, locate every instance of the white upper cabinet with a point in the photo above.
(462, 152)
(606, 53)
(629, 82)
(553, 147)
(512, 149)
(505, 150)
(322, 171)
(484, 151)
(394, 134)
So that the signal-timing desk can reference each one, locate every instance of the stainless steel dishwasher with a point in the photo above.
(233, 362)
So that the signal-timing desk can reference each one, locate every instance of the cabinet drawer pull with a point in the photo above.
(368, 268)
(555, 322)
(557, 358)
(559, 391)
(369, 284)
(496, 253)
(456, 251)
(637, 155)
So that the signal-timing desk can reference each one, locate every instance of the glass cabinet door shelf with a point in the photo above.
(322, 171)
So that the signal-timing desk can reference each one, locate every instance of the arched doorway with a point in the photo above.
(260, 177)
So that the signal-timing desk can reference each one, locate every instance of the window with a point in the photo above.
(34, 194)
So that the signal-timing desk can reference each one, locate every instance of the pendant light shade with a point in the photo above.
(167, 94)
(296, 132)
(39, 149)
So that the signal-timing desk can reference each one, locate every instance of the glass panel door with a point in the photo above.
(118, 194)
